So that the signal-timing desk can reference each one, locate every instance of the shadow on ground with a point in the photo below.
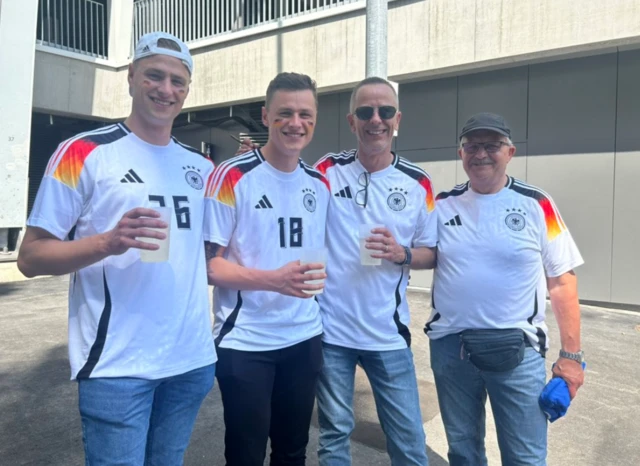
(40, 423)
(8, 288)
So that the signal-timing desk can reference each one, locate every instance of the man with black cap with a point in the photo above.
(502, 245)
(140, 342)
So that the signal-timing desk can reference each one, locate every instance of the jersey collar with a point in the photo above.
(359, 168)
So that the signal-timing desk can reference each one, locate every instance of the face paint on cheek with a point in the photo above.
(310, 128)
(277, 123)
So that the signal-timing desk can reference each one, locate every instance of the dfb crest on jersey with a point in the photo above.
(516, 219)
(309, 199)
(397, 200)
(193, 177)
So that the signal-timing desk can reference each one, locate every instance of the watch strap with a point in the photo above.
(578, 357)
(407, 256)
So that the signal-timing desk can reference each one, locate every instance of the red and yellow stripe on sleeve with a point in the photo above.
(325, 164)
(428, 187)
(223, 188)
(70, 166)
(552, 218)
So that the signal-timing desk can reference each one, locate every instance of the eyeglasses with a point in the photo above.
(366, 113)
(361, 196)
(492, 147)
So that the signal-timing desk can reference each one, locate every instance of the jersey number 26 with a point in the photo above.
(183, 215)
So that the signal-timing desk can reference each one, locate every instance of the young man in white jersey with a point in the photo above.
(364, 308)
(264, 209)
(140, 343)
(502, 245)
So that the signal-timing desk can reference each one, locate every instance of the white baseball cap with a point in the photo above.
(148, 45)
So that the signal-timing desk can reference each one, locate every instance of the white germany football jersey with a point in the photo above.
(264, 217)
(365, 307)
(494, 252)
(128, 318)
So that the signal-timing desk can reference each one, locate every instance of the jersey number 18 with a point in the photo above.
(295, 232)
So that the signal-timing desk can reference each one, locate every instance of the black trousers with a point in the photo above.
(268, 395)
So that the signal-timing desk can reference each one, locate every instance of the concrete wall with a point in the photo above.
(70, 86)
(17, 36)
(425, 39)
(575, 124)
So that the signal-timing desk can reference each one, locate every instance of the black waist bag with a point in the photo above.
(494, 350)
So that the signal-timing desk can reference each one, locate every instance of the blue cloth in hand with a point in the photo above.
(555, 399)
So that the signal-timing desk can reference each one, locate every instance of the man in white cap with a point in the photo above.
(140, 342)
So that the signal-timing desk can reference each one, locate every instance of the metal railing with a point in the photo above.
(193, 20)
(74, 25)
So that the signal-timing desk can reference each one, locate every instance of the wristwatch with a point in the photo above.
(578, 357)
(407, 256)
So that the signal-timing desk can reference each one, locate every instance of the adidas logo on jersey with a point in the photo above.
(454, 222)
(264, 203)
(346, 193)
(131, 177)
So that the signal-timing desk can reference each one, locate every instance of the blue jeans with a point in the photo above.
(462, 392)
(134, 422)
(395, 389)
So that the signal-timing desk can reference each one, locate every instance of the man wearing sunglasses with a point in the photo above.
(502, 245)
(364, 309)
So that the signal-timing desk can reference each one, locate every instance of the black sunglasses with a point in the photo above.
(492, 147)
(361, 196)
(366, 113)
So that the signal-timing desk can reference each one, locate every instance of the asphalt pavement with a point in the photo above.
(39, 422)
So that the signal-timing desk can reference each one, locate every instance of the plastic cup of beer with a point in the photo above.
(162, 253)
(314, 256)
(365, 254)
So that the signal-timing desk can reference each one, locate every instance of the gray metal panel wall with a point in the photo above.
(503, 92)
(327, 134)
(428, 115)
(626, 212)
(347, 138)
(572, 106)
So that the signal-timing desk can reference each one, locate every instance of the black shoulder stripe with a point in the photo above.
(244, 166)
(457, 191)
(111, 134)
(189, 148)
(527, 191)
(412, 170)
(330, 160)
(310, 171)
(314, 174)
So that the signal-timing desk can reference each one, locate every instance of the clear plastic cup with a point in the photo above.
(314, 256)
(162, 253)
(365, 254)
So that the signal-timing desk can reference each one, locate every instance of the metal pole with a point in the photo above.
(376, 61)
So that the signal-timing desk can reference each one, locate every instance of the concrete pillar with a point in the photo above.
(120, 30)
(18, 21)
(376, 36)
